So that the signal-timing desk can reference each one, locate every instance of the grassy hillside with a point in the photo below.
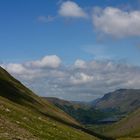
(127, 127)
(24, 115)
(13, 90)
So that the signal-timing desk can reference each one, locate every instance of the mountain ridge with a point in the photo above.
(122, 99)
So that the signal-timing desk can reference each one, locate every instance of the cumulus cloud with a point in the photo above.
(116, 22)
(15, 68)
(80, 64)
(71, 9)
(33, 69)
(83, 80)
(51, 61)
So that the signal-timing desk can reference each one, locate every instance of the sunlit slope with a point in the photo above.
(24, 115)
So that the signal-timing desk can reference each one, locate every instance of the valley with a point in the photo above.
(24, 115)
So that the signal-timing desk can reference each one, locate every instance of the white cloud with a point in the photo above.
(81, 78)
(116, 22)
(15, 68)
(92, 78)
(36, 69)
(51, 61)
(71, 9)
(80, 64)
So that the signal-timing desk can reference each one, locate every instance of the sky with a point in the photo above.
(71, 49)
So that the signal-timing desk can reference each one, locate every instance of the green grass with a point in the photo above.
(21, 122)
(127, 128)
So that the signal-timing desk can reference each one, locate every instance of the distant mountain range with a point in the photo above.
(121, 109)
(110, 108)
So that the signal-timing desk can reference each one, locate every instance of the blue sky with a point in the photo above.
(103, 31)
(23, 37)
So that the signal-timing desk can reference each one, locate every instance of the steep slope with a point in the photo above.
(24, 115)
(13, 90)
(124, 100)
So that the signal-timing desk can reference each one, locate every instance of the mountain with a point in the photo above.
(123, 100)
(110, 108)
(24, 115)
